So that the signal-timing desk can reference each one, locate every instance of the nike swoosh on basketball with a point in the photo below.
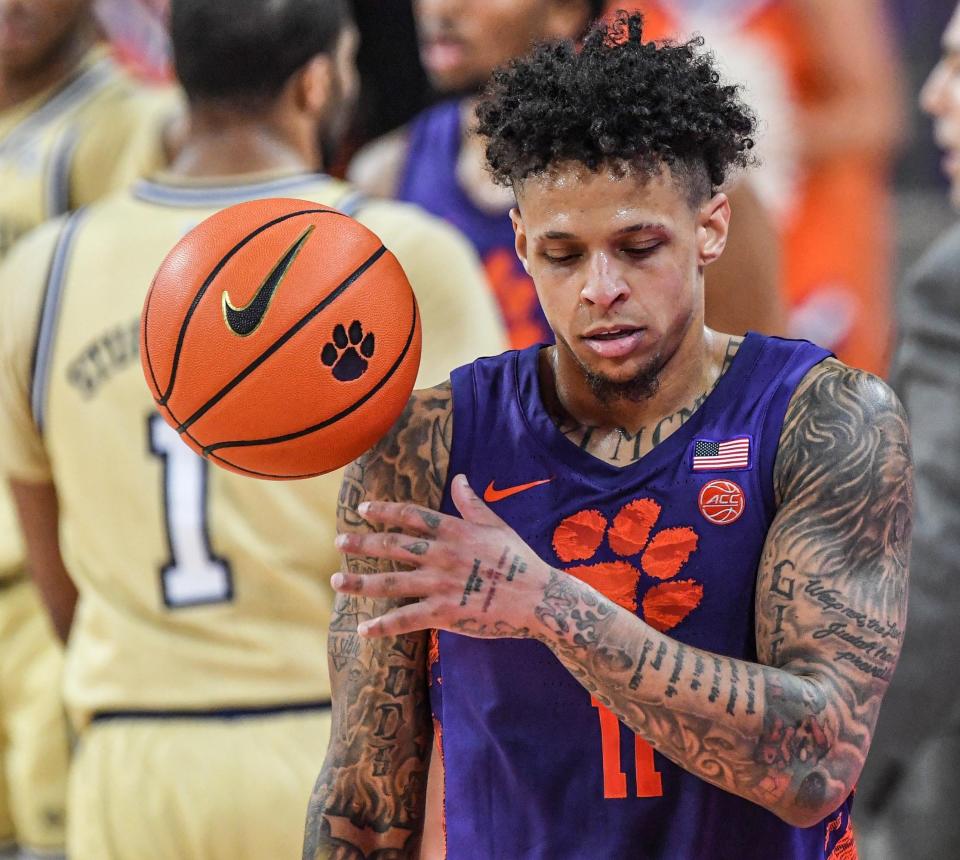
(244, 321)
(492, 494)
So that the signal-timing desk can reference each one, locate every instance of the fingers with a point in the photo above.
(472, 508)
(389, 545)
(407, 516)
(404, 619)
(396, 585)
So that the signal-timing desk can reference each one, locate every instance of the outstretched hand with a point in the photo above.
(473, 575)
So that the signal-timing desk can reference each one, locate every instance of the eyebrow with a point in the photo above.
(632, 228)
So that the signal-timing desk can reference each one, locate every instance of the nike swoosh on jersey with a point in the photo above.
(491, 494)
(244, 321)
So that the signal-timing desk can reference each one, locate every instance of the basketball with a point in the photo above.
(280, 338)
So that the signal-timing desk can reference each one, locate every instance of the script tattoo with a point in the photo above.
(369, 798)
(791, 731)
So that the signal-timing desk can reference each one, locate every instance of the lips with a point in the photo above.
(442, 54)
(613, 342)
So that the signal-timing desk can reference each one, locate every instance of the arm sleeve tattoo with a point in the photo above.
(790, 732)
(368, 801)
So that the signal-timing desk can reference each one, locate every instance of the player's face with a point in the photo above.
(941, 99)
(31, 31)
(463, 41)
(618, 262)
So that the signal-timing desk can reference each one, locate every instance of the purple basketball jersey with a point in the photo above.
(429, 179)
(533, 767)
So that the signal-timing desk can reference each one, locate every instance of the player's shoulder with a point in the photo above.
(410, 463)
(32, 252)
(427, 410)
(840, 417)
(378, 165)
(125, 99)
(832, 385)
(24, 276)
(404, 222)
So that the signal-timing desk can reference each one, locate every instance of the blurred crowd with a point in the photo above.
(828, 232)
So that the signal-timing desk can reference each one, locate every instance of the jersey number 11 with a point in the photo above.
(614, 779)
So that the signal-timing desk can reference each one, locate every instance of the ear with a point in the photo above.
(313, 85)
(713, 225)
(519, 237)
(566, 19)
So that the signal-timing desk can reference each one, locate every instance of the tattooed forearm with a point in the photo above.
(369, 798)
(790, 732)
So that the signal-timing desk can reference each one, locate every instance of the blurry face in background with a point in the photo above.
(34, 31)
(463, 41)
(345, 89)
(941, 99)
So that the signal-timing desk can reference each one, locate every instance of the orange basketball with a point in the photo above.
(280, 339)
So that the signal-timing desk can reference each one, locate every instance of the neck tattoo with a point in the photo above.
(622, 446)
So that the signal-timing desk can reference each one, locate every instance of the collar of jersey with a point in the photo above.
(165, 189)
(542, 427)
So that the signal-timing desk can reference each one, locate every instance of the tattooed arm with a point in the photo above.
(789, 732)
(368, 801)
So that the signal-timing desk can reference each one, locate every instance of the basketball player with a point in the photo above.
(666, 628)
(72, 127)
(195, 671)
(437, 162)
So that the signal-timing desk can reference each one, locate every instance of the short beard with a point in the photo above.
(644, 385)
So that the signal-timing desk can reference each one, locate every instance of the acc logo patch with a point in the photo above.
(722, 502)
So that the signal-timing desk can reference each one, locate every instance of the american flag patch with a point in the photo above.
(721, 456)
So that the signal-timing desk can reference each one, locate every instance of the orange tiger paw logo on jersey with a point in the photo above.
(660, 556)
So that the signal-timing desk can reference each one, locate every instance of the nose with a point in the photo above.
(932, 94)
(605, 284)
(432, 9)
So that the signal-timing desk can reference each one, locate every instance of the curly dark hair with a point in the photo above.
(616, 102)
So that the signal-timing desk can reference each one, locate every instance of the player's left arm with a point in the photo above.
(789, 732)
(39, 514)
(23, 456)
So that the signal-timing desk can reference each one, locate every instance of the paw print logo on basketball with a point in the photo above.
(347, 351)
(255, 321)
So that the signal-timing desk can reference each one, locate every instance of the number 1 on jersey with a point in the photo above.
(194, 575)
(649, 783)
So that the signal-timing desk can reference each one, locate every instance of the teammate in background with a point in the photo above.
(438, 162)
(911, 783)
(195, 672)
(669, 538)
(824, 76)
(72, 127)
